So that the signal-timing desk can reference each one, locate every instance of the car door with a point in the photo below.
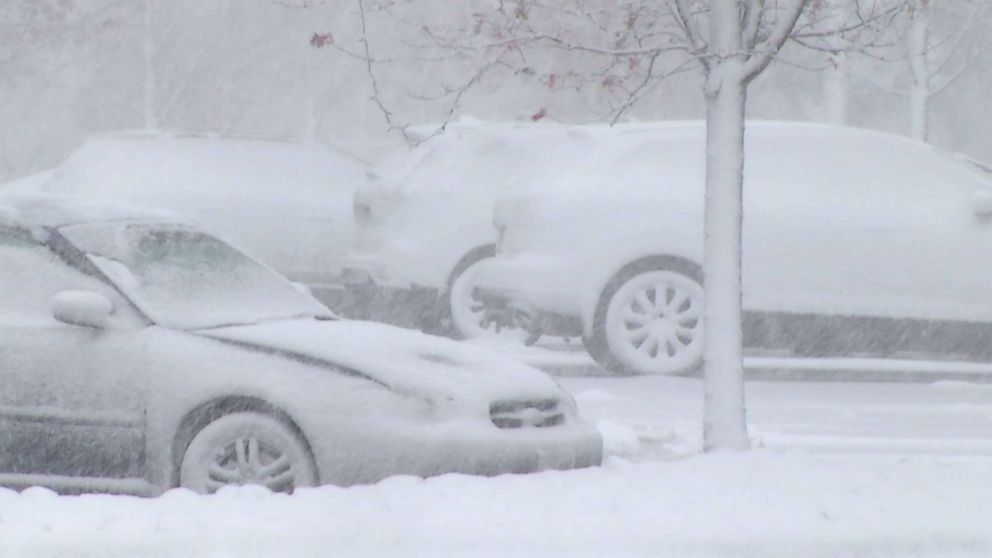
(71, 403)
(943, 275)
(814, 225)
(862, 233)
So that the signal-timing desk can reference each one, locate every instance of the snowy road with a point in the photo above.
(936, 408)
(660, 417)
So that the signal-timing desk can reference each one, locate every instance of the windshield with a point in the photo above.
(183, 278)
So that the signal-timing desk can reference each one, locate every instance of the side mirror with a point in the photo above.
(82, 308)
(981, 203)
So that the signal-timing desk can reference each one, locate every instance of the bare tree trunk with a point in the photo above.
(835, 84)
(919, 63)
(919, 102)
(724, 425)
(836, 89)
(150, 117)
(311, 120)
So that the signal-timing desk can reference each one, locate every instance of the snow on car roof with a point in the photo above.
(32, 211)
(191, 174)
(472, 154)
(152, 167)
(767, 127)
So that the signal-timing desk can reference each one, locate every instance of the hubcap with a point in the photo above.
(251, 461)
(655, 322)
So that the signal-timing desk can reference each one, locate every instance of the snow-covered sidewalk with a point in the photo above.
(761, 504)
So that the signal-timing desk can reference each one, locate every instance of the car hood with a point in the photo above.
(403, 360)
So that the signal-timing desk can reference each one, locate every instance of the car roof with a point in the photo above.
(656, 128)
(188, 173)
(34, 210)
(474, 156)
(250, 145)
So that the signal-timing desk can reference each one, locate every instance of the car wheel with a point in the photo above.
(247, 448)
(649, 320)
(468, 313)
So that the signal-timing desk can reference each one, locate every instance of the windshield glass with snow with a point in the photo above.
(183, 278)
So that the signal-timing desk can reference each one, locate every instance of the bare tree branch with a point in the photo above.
(768, 48)
(370, 69)
(753, 12)
(686, 20)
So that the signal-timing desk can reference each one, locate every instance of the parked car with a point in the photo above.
(288, 203)
(424, 224)
(140, 353)
(855, 242)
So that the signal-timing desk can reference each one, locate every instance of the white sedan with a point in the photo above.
(855, 242)
(140, 353)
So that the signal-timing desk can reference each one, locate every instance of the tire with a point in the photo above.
(247, 448)
(466, 311)
(649, 319)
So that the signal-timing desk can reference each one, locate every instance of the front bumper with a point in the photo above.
(362, 269)
(502, 309)
(572, 450)
(373, 293)
(544, 289)
(417, 307)
(399, 266)
(488, 454)
(541, 283)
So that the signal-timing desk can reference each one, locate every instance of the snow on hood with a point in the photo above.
(406, 361)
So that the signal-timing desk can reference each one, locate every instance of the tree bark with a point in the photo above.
(836, 89)
(311, 120)
(919, 102)
(724, 424)
(918, 39)
(150, 115)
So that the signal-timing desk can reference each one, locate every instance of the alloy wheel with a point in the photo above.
(654, 323)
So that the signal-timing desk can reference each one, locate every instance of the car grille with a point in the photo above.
(537, 413)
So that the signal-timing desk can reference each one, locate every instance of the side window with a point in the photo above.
(30, 275)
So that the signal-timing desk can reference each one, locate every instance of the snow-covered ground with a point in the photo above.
(842, 469)
(757, 504)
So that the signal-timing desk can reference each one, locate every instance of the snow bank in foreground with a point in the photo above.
(757, 504)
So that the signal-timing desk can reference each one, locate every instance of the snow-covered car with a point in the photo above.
(424, 224)
(139, 353)
(855, 243)
(289, 204)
